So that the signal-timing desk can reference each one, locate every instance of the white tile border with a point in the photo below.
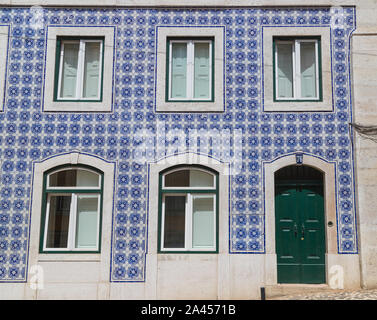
(268, 80)
(4, 46)
(183, 3)
(108, 69)
(162, 33)
(103, 258)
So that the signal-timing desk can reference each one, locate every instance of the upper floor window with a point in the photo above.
(297, 69)
(190, 69)
(72, 201)
(189, 210)
(79, 64)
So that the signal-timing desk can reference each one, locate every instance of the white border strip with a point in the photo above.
(174, 3)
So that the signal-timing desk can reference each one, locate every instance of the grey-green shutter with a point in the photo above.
(284, 70)
(92, 69)
(308, 70)
(179, 71)
(69, 70)
(201, 71)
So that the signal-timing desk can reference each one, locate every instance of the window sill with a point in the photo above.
(69, 257)
(188, 252)
(298, 106)
(194, 106)
(76, 106)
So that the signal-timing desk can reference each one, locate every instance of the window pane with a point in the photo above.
(179, 70)
(58, 222)
(87, 221)
(308, 70)
(189, 178)
(74, 178)
(285, 70)
(69, 70)
(92, 69)
(200, 179)
(179, 178)
(203, 222)
(87, 179)
(202, 69)
(174, 222)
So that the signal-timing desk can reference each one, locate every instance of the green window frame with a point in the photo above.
(191, 69)
(292, 69)
(193, 238)
(82, 74)
(76, 218)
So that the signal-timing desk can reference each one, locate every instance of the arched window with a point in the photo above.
(188, 206)
(71, 216)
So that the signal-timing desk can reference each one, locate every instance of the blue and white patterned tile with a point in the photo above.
(28, 134)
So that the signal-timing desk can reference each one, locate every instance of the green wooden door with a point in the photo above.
(300, 234)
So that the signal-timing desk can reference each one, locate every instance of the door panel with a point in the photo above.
(300, 237)
(313, 244)
(286, 226)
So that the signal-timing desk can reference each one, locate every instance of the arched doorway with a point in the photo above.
(300, 225)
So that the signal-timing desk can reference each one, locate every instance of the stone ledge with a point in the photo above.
(274, 291)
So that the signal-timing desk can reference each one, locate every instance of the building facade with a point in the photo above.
(157, 152)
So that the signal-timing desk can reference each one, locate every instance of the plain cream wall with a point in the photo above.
(364, 74)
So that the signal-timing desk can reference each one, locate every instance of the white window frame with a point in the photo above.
(190, 67)
(296, 63)
(4, 47)
(80, 69)
(72, 222)
(189, 222)
(76, 192)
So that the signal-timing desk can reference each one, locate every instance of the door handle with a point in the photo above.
(295, 229)
(302, 232)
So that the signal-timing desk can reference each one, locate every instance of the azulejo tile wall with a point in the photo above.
(28, 134)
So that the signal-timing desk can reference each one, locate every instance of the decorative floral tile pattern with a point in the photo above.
(28, 134)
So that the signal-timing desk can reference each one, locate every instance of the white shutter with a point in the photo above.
(308, 70)
(284, 70)
(92, 69)
(69, 70)
(179, 71)
(202, 71)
